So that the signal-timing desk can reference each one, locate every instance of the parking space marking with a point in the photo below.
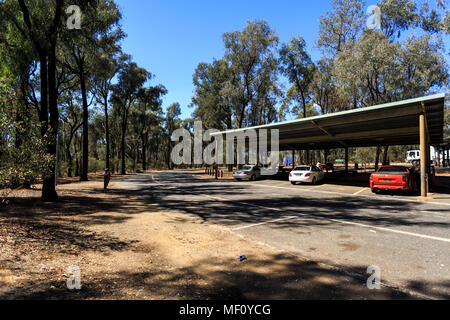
(417, 235)
(300, 214)
(277, 187)
(349, 194)
(359, 192)
(263, 223)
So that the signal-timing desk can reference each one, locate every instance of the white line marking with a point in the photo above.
(360, 191)
(418, 235)
(334, 220)
(278, 187)
(350, 195)
(263, 223)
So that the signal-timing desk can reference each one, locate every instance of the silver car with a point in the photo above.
(247, 172)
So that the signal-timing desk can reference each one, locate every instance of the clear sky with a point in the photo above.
(171, 37)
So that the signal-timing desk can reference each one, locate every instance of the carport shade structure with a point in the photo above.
(408, 122)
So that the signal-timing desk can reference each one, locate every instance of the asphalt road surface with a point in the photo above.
(350, 230)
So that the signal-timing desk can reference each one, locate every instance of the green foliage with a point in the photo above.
(211, 99)
(124, 117)
(297, 66)
(21, 164)
(342, 26)
(253, 90)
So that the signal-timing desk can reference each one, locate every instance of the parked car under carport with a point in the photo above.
(247, 172)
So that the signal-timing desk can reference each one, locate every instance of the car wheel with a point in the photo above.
(376, 191)
(293, 183)
(314, 182)
(253, 178)
(238, 179)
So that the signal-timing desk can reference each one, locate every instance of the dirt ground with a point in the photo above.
(129, 249)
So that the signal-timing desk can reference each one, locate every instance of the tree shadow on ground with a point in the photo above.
(294, 279)
(61, 226)
(203, 199)
(218, 280)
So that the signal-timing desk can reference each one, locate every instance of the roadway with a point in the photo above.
(341, 226)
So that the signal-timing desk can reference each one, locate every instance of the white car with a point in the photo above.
(307, 174)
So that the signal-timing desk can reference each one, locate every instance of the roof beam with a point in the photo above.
(373, 134)
(329, 133)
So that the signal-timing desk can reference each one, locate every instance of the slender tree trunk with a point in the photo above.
(304, 106)
(124, 131)
(48, 189)
(377, 158)
(69, 157)
(77, 168)
(108, 147)
(85, 170)
(326, 154)
(385, 155)
(70, 164)
(144, 156)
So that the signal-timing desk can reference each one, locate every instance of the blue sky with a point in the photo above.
(170, 38)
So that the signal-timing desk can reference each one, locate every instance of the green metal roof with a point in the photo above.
(394, 123)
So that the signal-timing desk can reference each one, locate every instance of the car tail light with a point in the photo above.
(290, 175)
(245, 173)
(307, 175)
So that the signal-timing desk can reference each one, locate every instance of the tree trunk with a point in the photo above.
(124, 131)
(84, 174)
(377, 158)
(69, 159)
(326, 154)
(48, 189)
(144, 156)
(385, 156)
(108, 147)
(77, 167)
(304, 105)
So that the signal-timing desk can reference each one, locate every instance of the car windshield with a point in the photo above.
(247, 168)
(393, 169)
(412, 154)
(302, 169)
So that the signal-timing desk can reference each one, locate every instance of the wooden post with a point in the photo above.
(423, 156)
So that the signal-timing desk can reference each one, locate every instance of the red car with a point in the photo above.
(393, 178)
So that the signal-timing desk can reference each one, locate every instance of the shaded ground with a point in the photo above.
(131, 247)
